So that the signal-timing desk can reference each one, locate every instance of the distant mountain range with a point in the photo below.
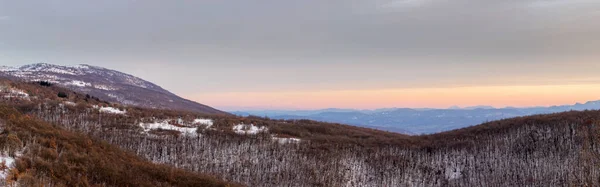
(106, 84)
(417, 121)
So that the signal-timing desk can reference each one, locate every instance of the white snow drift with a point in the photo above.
(208, 122)
(15, 93)
(286, 140)
(9, 163)
(164, 125)
(110, 110)
(78, 83)
(248, 129)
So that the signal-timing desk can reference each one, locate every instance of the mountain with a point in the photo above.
(479, 107)
(418, 121)
(108, 85)
(75, 141)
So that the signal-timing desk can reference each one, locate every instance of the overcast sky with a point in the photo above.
(236, 54)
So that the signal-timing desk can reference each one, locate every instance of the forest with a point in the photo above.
(63, 138)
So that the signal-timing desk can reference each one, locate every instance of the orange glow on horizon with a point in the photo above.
(498, 96)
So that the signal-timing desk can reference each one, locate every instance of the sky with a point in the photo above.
(310, 54)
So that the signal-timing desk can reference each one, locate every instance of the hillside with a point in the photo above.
(108, 85)
(36, 153)
(544, 150)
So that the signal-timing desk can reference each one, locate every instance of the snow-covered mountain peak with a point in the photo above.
(44, 67)
(6, 68)
(66, 75)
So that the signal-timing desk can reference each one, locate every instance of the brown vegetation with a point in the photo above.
(62, 158)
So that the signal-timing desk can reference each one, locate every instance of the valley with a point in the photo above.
(418, 121)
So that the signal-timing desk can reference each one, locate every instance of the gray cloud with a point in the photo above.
(272, 44)
(413, 27)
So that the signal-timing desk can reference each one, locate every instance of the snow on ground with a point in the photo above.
(81, 66)
(286, 140)
(7, 68)
(46, 78)
(15, 93)
(112, 95)
(105, 87)
(20, 93)
(70, 103)
(208, 122)
(248, 129)
(46, 68)
(134, 81)
(8, 162)
(110, 110)
(60, 71)
(452, 174)
(78, 83)
(164, 125)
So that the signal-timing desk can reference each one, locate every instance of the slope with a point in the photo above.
(106, 84)
(48, 156)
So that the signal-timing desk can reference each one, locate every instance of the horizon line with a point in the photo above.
(458, 107)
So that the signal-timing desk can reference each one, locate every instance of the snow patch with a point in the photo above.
(110, 110)
(453, 173)
(60, 71)
(9, 163)
(248, 129)
(105, 87)
(19, 93)
(81, 66)
(69, 103)
(78, 83)
(208, 122)
(43, 67)
(286, 140)
(164, 125)
(7, 69)
(112, 95)
(15, 93)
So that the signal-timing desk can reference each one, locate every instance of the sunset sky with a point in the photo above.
(310, 54)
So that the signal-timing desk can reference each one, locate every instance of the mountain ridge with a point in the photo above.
(418, 120)
(106, 84)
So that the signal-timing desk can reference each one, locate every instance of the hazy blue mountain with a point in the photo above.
(417, 121)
